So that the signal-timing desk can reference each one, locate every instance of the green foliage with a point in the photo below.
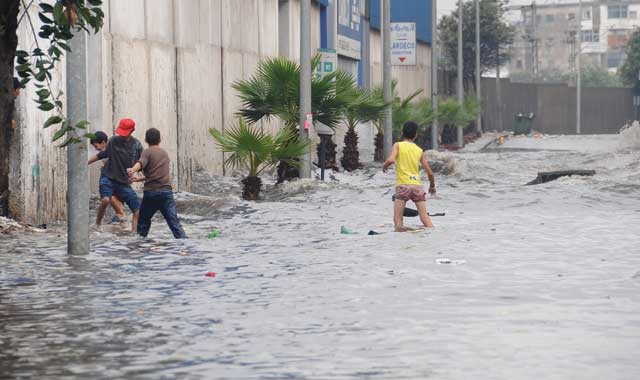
(254, 150)
(367, 105)
(274, 91)
(452, 114)
(631, 67)
(495, 36)
(423, 112)
(60, 22)
(592, 76)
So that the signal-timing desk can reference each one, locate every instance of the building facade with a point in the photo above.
(547, 36)
(171, 64)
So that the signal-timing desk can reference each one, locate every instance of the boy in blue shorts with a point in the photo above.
(123, 151)
(99, 143)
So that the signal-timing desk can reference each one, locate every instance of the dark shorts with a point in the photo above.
(413, 193)
(127, 195)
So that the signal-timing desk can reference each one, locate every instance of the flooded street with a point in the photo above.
(515, 282)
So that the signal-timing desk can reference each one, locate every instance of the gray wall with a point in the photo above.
(604, 110)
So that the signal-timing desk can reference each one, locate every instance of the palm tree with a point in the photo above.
(368, 106)
(274, 91)
(255, 151)
(452, 115)
(401, 113)
(423, 115)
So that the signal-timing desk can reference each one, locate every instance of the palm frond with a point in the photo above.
(252, 149)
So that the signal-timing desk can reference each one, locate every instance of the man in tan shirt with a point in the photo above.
(158, 195)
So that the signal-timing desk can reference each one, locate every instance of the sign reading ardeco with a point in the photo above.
(403, 43)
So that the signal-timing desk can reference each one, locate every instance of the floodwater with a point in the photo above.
(515, 282)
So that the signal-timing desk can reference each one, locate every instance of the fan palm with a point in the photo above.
(274, 92)
(401, 113)
(423, 115)
(369, 105)
(452, 115)
(255, 151)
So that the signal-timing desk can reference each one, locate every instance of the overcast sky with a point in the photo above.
(447, 6)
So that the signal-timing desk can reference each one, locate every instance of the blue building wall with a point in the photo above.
(418, 11)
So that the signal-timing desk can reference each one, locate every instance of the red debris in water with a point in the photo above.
(210, 274)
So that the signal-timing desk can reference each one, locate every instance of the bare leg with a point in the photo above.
(104, 203)
(118, 207)
(398, 215)
(134, 223)
(424, 215)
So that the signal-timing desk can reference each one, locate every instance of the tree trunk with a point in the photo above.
(378, 143)
(330, 154)
(252, 188)
(8, 45)
(350, 155)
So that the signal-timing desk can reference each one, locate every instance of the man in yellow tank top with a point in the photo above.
(407, 157)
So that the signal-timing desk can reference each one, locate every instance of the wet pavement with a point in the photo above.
(515, 282)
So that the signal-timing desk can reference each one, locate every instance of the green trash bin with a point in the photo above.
(522, 124)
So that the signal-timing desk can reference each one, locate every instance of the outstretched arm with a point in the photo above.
(93, 159)
(136, 168)
(392, 158)
(432, 180)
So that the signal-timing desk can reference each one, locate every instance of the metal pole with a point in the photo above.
(499, 89)
(578, 70)
(460, 70)
(77, 169)
(305, 81)
(434, 74)
(478, 73)
(536, 69)
(386, 77)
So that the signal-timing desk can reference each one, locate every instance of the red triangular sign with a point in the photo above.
(402, 59)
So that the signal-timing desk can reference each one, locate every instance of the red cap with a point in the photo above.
(126, 127)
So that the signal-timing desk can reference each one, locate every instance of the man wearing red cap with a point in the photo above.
(123, 151)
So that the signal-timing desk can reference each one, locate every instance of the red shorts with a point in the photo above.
(413, 193)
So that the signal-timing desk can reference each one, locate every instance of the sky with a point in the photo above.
(445, 7)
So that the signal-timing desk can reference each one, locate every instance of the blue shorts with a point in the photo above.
(108, 188)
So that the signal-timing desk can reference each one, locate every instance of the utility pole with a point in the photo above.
(478, 73)
(77, 168)
(498, 89)
(578, 69)
(534, 12)
(305, 82)
(386, 76)
(434, 74)
(460, 70)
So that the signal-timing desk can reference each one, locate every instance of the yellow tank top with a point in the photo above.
(408, 164)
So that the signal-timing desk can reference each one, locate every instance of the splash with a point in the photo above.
(630, 136)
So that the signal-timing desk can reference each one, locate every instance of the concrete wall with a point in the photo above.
(174, 71)
(37, 166)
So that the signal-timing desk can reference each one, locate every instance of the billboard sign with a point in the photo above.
(403, 43)
(349, 36)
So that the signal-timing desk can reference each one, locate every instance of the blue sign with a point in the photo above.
(349, 28)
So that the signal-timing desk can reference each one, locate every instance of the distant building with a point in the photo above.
(546, 38)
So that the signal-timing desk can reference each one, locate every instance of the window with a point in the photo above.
(615, 59)
(618, 11)
(571, 16)
(591, 35)
(586, 14)
(549, 18)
